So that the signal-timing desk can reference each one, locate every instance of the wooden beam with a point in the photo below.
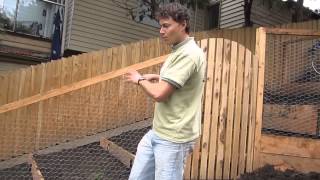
(78, 85)
(301, 32)
(261, 54)
(123, 155)
(300, 164)
(35, 170)
(290, 146)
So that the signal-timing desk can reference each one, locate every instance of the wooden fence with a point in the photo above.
(27, 127)
(292, 105)
(233, 100)
(67, 115)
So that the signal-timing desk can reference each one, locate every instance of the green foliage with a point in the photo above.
(150, 7)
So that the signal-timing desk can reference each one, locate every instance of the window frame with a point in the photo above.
(14, 31)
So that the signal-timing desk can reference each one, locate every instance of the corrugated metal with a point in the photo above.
(262, 15)
(100, 24)
(231, 14)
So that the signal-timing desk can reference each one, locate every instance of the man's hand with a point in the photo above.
(132, 76)
(159, 91)
(151, 77)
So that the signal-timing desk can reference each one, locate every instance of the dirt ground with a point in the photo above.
(268, 172)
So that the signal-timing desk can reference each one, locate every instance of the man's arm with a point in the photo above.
(159, 91)
(151, 77)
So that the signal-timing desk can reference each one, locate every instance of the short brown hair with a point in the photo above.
(177, 12)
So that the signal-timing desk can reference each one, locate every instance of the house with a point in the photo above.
(26, 27)
(263, 13)
(98, 24)
(25, 31)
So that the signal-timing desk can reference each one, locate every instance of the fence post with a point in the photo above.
(260, 53)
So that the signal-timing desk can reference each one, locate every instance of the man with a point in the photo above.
(162, 152)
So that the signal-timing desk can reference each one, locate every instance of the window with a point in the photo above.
(33, 17)
(7, 13)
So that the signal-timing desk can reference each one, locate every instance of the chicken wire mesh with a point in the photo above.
(292, 86)
(57, 133)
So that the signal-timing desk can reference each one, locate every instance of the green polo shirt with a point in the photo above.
(178, 119)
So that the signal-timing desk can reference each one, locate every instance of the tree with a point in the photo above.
(299, 11)
(148, 8)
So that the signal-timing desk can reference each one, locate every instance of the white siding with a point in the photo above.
(262, 15)
(68, 19)
(100, 24)
(231, 14)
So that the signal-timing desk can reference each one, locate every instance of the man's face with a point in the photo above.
(171, 31)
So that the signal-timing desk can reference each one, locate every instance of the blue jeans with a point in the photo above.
(160, 159)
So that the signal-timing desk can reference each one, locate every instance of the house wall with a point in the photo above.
(264, 15)
(231, 14)
(101, 23)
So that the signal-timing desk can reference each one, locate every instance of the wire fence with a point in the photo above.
(292, 85)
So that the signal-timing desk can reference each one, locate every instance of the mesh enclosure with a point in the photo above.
(61, 135)
(130, 140)
(292, 85)
(86, 162)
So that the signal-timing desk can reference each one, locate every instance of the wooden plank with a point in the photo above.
(252, 115)
(207, 108)
(81, 84)
(290, 146)
(300, 164)
(59, 107)
(17, 140)
(122, 62)
(4, 88)
(116, 64)
(98, 58)
(289, 118)
(301, 32)
(94, 112)
(238, 112)
(260, 52)
(245, 112)
(215, 110)
(136, 57)
(51, 106)
(4, 81)
(223, 109)
(40, 115)
(104, 89)
(64, 114)
(83, 122)
(230, 112)
(141, 106)
(11, 117)
(35, 170)
(121, 154)
(127, 87)
(35, 88)
(24, 139)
